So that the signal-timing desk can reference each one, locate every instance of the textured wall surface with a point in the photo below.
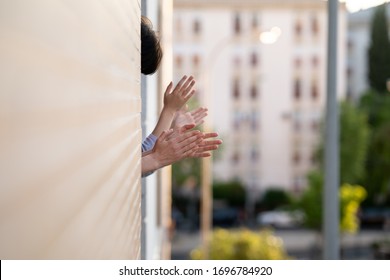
(70, 129)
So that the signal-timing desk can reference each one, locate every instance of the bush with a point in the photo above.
(243, 244)
(232, 192)
(274, 198)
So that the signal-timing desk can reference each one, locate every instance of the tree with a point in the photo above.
(274, 197)
(379, 51)
(377, 180)
(350, 197)
(379, 168)
(354, 139)
(232, 192)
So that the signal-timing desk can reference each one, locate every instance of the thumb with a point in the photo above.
(169, 88)
(187, 127)
(165, 134)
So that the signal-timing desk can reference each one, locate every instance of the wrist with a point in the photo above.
(158, 161)
(169, 111)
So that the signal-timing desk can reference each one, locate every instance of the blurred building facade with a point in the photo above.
(359, 32)
(261, 70)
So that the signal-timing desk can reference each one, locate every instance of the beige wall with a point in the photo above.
(70, 130)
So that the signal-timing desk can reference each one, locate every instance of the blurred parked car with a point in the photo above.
(374, 217)
(280, 218)
(225, 217)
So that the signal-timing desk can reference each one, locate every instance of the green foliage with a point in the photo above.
(354, 139)
(376, 107)
(243, 244)
(378, 52)
(380, 160)
(311, 201)
(187, 168)
(233, 192)
(351, 197)
(273, 198)
(377, 181)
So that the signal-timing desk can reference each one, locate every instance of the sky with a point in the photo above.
(356, 5)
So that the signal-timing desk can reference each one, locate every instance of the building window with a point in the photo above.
(314, 91)
(178, 26)
(196, 61)
(254, 91)
(313, 158)
(315, 127)
(298, 28)
(314, 61)
(236, 89)
(297, 89)
(178, 61)
(196, 27)
(237, 24)
(296, 158)
(349, 72)
(254, 155)
(298, 63)
(255, 22)
(236, 120)
(254, 59)
(235, 158)
(315, 28)
(350, 46)
(297, 184)
(237, 61)
(297, 126)
(254, 121)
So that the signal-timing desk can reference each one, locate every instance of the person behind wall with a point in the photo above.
(173, 137)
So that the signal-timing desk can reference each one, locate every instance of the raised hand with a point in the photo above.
(176, 98)
(207, 145)
(183, 117)
(172, 146)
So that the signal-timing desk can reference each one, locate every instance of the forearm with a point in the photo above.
(164, 121)
(149, 163)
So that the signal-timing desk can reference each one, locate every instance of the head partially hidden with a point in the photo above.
(151, 51)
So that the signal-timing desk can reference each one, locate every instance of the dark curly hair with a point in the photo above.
(151, 52)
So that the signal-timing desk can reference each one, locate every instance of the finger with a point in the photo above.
(207, 148)
(201, 155)
(169, 88)
(189, 83)
(199, 122)
(211, 142)
(192, 141)
(190, 149)
(190, 137)
(188, 96)
(210, 135)
(165, 134)
(179, 85)
(197, 111)
(186, 127)
(199, 119)
(181, 135)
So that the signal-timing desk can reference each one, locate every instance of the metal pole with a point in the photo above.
(331, 218)
(206, 206)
